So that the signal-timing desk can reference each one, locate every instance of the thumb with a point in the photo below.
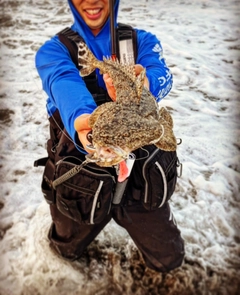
(82, 122)
(81, 125)
(109, 85)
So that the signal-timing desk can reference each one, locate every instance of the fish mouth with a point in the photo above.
(108, 156)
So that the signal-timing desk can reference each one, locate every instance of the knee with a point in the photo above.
(62, 246)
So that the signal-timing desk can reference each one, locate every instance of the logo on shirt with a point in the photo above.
(164, 81)
(158, 49)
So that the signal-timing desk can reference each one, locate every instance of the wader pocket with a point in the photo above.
(160, 175)
(87, 196)
(48, 176)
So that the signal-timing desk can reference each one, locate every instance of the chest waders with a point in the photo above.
(124, 47)
(81, 206)
(126, 51)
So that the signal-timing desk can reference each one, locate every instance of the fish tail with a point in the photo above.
(86, 60)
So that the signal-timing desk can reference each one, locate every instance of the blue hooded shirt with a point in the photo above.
(65, 88)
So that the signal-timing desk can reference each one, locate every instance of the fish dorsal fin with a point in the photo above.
(130, 71)
(123, 78)
(126, 69)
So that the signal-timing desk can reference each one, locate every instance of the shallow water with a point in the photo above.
(201, 46)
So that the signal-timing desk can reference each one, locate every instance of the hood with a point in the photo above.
(80, 26)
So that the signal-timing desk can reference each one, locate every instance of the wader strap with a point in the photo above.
(126, 52)
(126, 39)
(126, 44)
(70, 39)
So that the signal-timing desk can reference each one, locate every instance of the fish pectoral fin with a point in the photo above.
(168, 140)
(166, 116)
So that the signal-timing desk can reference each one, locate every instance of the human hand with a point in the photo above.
(138, 69)
(109, 84)
(81, 125)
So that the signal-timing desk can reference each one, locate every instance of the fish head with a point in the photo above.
(107, 156)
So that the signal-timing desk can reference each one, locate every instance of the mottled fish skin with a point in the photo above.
(123, 76)
(131, 122)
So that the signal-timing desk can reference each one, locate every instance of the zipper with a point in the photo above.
(144, 174)
(95, 202)
(95, 198)
(164, 183)
(76, 188)
(84, 169)
(97, 192)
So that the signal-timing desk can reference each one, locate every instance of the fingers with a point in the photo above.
(107, 80)
(138, 69)
(82, 135)
(109, 85)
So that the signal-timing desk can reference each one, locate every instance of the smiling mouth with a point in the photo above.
(93, 11)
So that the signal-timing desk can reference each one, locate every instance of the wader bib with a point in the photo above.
(82, 205)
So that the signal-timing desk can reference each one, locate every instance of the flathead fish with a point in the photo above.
(132, 121)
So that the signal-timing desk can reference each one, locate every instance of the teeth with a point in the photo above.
(93, 11)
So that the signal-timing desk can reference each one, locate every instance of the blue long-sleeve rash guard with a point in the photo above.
(65, 88)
